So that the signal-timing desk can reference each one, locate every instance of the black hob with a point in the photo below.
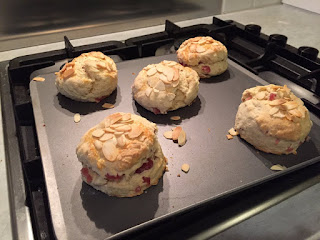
(267, 56)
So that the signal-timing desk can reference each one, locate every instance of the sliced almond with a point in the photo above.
(278, 167)
(109, 130)
(175, 118)
(160, 68)
(109, 68)
(151, 71)
(118, 133)
(291, 105)
(163, 77)
(135, 131)
(97, 144)
(124, 128)
(38, 79)
(64, 68)
(68, 73)
(136, 145)
(160, 86)
(279, 115)
(148, 91)
(176, 133)
(142, 138)
(106, 137)
(117, 125)
(233, 132)
(296, 113)
(202, 41)
(121, 141)
(286, 89)
(97, 133)
(76, 118)
(107, 123)
(108, 105)
(171, 96)
(175, 74)
(126, 117)
(273, 110)
(229, 136)
(175, 83)
(200, 49)
(193, 48)
(170, 63)
(185, 167)
(169, 72)
(168, 134)
(152, 81)
(101, 65)
(289, 117)
(182, 138)
(277, 102)
(261, 95)
(115, 118)
(109, 150)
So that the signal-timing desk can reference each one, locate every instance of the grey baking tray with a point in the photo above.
(218, 167)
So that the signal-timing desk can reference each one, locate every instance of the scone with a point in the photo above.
(88, 78)
(273, 119)
(121, 156)
(165, 86)
(208, 57)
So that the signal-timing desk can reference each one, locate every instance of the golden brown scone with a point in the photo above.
(121, 156)
(88, 78)
(273, 119)
(208, 57)
(165, 86)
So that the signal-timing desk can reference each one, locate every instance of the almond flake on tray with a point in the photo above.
(77, 118)
(177, 134)
(38, 79)
(229, 136)
(108, 105)
(175, 118)
(185, 168)
(278, 167)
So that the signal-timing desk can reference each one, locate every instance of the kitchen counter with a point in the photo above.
(296, 24)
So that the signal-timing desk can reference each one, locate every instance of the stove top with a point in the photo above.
(267, 56)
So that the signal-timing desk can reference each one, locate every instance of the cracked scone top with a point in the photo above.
(88, 78)
(165, 86)
(121, 156)
(273, 119)
(208, 57)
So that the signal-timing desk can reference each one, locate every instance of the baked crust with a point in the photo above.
(115, 150)
(165, 86)
(88, 78)
(273, 119)
(208, 57)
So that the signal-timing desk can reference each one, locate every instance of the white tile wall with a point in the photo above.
(310, 5)
(262, 3)
(238, 5)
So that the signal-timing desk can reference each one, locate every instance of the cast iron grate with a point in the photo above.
(246, 45)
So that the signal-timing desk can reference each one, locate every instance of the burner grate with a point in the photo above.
(246, 46)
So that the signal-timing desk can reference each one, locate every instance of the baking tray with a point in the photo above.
(218, 167)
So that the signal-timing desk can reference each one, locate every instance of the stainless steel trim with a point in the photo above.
(20, 216)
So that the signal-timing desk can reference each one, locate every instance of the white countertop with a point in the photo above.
(298, 25)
